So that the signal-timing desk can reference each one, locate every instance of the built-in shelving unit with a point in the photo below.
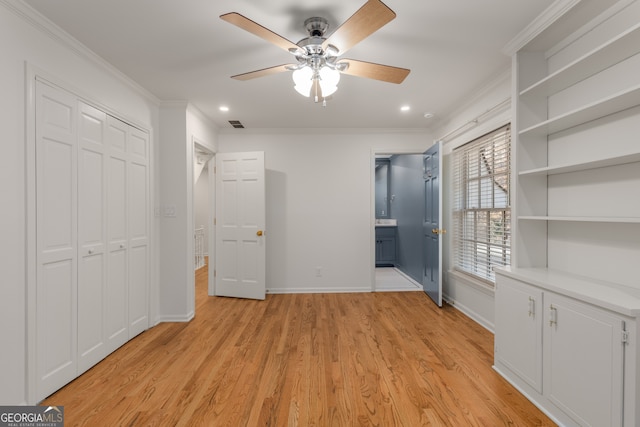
(611, 52)
(576, 157)
(603, 107)
(623, 220)
(582, 166)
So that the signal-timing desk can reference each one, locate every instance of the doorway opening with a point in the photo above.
(204, 213)
(396, 218)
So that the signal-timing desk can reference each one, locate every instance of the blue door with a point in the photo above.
(432, 271)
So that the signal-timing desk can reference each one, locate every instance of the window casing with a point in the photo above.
(482, 205)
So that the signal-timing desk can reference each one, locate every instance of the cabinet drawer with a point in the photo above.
(385, 232)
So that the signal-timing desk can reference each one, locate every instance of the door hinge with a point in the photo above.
(214, 273)
(625, 337)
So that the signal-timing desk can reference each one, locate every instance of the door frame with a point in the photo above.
(372, 216)
(198, 144)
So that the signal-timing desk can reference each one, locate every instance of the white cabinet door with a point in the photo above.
(583, 361)
(518, 335)
(91, 237)
(56, 239)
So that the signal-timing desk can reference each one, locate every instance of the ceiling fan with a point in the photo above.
(318, 65)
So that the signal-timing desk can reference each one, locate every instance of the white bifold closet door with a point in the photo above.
(56, 239)
(92, 210)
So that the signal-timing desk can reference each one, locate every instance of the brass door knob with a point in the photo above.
(259, 233)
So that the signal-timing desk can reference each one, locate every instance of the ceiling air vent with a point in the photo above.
(236, 124)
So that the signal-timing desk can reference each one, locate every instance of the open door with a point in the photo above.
(240, 219)
(432, 277)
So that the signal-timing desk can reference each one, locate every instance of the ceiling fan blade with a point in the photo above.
(372, 16)
(369, 70)
(257, 29)
(261, 73)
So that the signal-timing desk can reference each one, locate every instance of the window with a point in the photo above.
(481, 204)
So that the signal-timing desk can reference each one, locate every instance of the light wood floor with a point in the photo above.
(368, 359)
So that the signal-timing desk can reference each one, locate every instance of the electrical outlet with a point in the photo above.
(318, 271)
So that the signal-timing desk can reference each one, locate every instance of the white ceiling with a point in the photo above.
(182, 50)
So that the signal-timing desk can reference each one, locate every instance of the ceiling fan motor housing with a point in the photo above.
(312, 53)
(316, 26)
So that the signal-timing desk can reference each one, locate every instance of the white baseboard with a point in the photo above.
(340, 290)
(175, 318)
(469, 313)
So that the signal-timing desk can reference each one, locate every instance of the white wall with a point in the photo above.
(473, 298)
(59, 58)
(319, 207)
(181, 125)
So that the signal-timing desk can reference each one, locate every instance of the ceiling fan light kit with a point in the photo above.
(318, 67)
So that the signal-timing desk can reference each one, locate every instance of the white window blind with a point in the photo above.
(481, 204)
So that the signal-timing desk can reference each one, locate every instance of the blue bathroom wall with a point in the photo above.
(382, 173)
(407, 208)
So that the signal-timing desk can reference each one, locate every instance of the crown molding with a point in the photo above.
(538, 25)
(45, 26)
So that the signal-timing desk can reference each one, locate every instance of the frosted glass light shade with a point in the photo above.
(303, 79)
(329, 79)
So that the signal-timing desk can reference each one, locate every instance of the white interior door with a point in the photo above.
(240, 220)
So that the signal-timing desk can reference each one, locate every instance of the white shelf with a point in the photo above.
(622, 220)
(612, 104)
(576, 167)
(613, 296)
(616, 50)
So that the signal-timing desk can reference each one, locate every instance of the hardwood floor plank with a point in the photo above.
(379, 359)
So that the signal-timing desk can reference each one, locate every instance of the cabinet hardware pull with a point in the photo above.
(553, 315)
(532, 307)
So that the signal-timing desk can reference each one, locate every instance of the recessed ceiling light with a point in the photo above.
(428, 115)
(405, 108)
(224, 108)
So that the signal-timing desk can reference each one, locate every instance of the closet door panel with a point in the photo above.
(138, 283)
(138, 145)
(117, 300)
(91, 342)
(92, 237)
(117, 205)
(138, 233)
(56, 239)
(138, 215)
